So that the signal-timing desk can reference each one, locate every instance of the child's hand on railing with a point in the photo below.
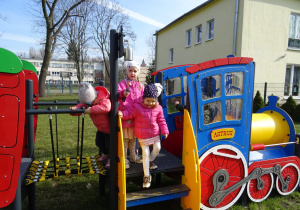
(73, 107)
(120, 114)
(87, 111)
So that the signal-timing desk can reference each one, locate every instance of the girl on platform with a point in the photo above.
(130, 91)
(149, 124)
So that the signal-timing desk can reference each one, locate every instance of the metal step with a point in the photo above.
(156, 195)
(165, 161)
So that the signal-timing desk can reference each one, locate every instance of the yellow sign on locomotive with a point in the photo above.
(224, 133)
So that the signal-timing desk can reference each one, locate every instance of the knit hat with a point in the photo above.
(86, 93)
(150, 91)
(134, 64)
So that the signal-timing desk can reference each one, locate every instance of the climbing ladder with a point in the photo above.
(189, 190)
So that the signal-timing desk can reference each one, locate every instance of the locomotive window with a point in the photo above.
(233, 109)
(234, 83)
(171, 108)
(211, 87)
(212, 112)
(173, 86)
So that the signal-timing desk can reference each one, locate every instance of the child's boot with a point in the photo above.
(133, 155)
(103, 158)
(127, 164)
(107, 164)
(147, 181)
(125, 153)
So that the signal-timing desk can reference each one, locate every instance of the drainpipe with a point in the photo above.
(155, 67)
(235, 26)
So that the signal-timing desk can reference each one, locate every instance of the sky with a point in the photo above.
(146, 17)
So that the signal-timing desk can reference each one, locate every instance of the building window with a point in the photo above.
(292, 79)
(53, 73)
(188, 38)
(171, 55)
(198, 34)
(210, 29)
(294, 33)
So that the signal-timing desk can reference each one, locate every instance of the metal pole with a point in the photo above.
(113, 60)
(30, 138)
(56, 134)
(52, 142)
(30, 118)
(78, 133)
(81, 146)
(265, 93)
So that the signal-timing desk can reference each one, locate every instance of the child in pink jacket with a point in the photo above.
(97, 104)
(130, 91)
(149, 124)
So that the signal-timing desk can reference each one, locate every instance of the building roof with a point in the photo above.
(143, 64)
(185, 15)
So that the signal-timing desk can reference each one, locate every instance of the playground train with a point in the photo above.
(238, 151)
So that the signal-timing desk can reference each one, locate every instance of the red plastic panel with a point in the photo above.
(173, 143)
(11, 95)
(9, 80)
(234, 60)
(221, 61)
(218, 62)
(246, 60)
(32, 76)
(193, 69)
(9, 120)
(255, 147)
(270, 163)
(7, 163)
(156, 72)
(207, 64)
(179, 122)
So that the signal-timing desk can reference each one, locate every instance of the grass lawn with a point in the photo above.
(81, 192)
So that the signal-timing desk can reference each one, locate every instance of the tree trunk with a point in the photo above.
(44, 69)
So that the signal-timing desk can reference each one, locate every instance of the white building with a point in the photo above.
(63, 71)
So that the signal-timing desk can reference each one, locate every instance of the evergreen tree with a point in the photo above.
(290, 107)
(258, 102)
(150, 77)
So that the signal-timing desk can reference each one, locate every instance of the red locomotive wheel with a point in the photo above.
(227, 158)
(289, 171)
(257, 195)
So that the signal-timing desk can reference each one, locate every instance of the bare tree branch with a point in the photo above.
(108, 15)
(55, 14)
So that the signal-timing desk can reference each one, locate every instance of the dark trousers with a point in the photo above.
(102, 141)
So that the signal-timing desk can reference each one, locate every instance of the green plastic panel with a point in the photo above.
(28, 66)
(9, 62)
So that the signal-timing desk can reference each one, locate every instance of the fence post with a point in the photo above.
(70, 84)
(48, 89)
(265, 93)
(62, 85)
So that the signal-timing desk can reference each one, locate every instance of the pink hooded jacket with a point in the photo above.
(149, 122)
(136, 90)
(99, 110)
